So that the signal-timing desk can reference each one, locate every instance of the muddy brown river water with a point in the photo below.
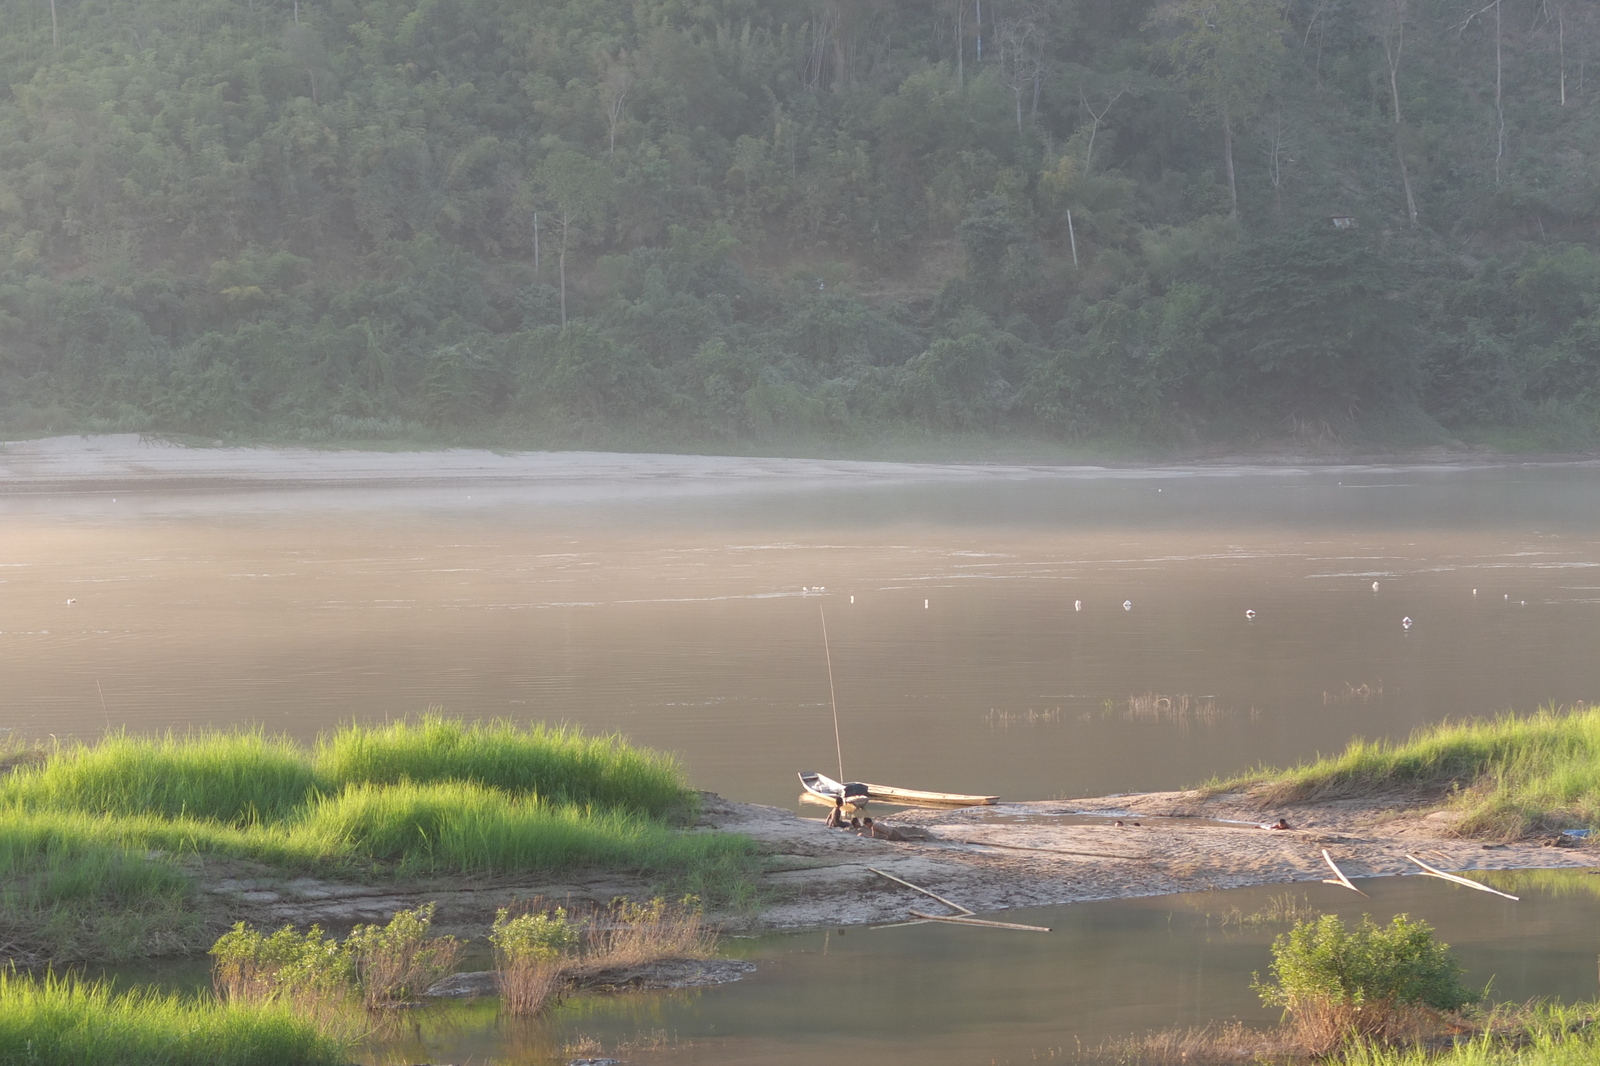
(691, 620)
(683, 621)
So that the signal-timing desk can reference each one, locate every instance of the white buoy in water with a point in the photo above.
(71, 601)
(1077, 605)
(1405, 622)
(1374, 586)
(1250, 614)
(852, 599)
(1474, 592)
(924, 605)
(1127, 605)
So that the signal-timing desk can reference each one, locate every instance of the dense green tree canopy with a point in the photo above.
(718, 222)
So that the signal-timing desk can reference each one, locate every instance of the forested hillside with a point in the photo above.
(726, 223)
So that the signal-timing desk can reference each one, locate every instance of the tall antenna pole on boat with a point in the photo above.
(837, 746)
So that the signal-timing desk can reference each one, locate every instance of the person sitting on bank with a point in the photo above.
(835, 819)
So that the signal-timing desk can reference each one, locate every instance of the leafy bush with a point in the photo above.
(385, 964)
(395, 963)
(290, 967)
(1368, 982)
(528, 951)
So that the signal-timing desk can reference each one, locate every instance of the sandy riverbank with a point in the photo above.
(988, 859)
(77, 463)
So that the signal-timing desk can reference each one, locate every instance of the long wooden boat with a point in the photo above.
(826, 789)
(819, 788)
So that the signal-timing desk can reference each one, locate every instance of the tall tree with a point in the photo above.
(581, 190)
(1020, 40)
(1391, 18)
(1226, 54)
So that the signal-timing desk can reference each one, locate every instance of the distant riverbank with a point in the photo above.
(87, 463)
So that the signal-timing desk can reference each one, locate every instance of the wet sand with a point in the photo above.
(987, 859)
(1041, 853)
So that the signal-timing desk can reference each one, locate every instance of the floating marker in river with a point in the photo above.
(1250, 614)
(852, 599)
(1405, 623)
(924, 605)
(1374, 586)
(1077, 605)
(1127, 605)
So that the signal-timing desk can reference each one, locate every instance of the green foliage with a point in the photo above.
(382, 964)
(319, 223)
(69, 897)
(65, 1021)
(1509, 776)
(1321, 962)
(397, 962)
(542, 936)
(558, 763)
(288, 967)
(234, 778)
(91, 848)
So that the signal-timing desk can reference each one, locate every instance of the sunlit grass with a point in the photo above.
(556, 763)
(228, 777)
(60, 1021)
(1509, 775)
(97, 841)
(1547, 1035)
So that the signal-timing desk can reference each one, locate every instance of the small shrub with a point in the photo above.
(528, 952)
(300, 969)
(397, 962)
(1370, 983)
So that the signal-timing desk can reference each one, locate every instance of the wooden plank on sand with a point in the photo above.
(1480, 886)
(918, 888)
(954, 920)
(1342, 879)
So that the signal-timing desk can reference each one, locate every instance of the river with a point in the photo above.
(1029, 635)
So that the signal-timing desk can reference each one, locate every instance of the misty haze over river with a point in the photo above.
(681, 617)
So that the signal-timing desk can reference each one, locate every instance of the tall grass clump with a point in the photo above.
(1549, 1034)
(1508, 775)
(234, 778)
(466, 828)
(62, 1021)
(67, 897)
(557, 763)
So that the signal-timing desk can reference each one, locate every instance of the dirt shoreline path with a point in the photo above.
(988, 859)
(107, 462)
(1034, 854)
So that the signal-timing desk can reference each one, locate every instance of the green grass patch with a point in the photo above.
(96, 840)
(1544, 1035)
(234, 778)
(555, 763)
(60, 1021)
(1509, 776)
